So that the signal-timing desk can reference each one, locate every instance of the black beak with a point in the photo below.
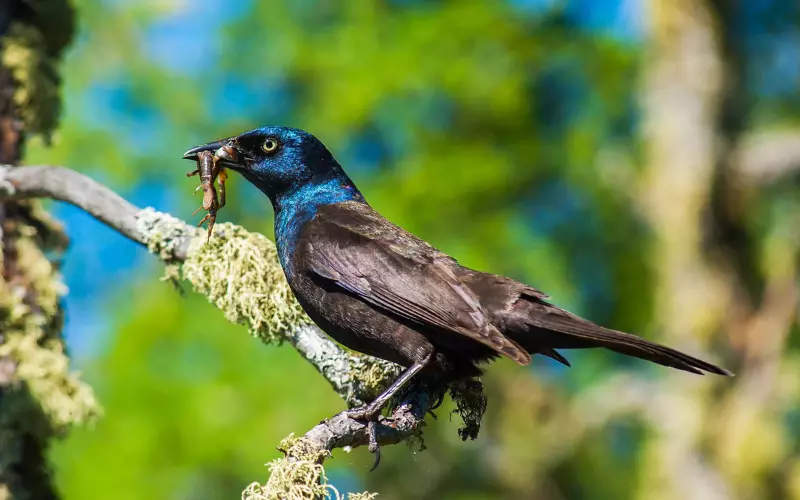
(214, 147)
(211, 146)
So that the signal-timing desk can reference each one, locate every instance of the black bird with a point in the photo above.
(380, 290)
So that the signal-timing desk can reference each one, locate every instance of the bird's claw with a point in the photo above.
(370, 416)
(438, 403)
(374, 447)
(361, 413)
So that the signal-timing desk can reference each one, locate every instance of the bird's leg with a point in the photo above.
(371, 411)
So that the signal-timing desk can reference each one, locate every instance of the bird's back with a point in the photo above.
(351, 258)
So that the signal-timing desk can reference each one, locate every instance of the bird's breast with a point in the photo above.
(288, 226)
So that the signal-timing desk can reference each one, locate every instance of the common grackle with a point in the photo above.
(380, 290)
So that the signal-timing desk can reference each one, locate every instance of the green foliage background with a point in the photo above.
(509, 134)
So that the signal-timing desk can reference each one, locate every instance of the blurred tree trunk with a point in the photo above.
(711, 284)
(681, 98)
(39, 399)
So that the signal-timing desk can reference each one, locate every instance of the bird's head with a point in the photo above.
(279, 161)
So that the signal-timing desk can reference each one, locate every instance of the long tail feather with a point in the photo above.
(563, 330)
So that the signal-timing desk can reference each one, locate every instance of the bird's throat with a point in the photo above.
(297, 206)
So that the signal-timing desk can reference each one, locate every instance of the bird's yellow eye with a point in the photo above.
(270, 145)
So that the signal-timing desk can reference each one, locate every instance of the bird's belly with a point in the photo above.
(359, 327)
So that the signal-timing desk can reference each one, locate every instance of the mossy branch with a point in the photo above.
(239, 273)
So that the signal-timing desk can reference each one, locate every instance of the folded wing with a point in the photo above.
(353, 248)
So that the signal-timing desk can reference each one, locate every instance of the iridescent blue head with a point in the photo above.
(289, 165)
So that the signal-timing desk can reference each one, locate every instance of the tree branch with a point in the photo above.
(63, 184)
(356, 378)
(768, 157)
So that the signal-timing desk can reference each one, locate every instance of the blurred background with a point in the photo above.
(638, 160)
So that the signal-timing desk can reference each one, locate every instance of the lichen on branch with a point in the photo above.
(299, 475)
(240, 274)
(237, 270)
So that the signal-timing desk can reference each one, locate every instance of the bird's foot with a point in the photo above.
(369, 414)
(439, 401)
(365, 413)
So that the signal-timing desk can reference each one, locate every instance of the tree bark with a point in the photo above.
(39, 399)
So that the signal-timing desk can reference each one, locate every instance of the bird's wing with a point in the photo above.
(362, 253)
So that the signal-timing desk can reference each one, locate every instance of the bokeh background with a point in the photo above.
(638, 160)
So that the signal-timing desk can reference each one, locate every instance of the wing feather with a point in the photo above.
(382, 264)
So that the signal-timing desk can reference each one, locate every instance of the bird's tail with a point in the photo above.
(559, 329)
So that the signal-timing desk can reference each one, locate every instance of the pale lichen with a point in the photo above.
(239, 273)
(367, 377)
(163, 234)
(41, 398)
(237, 270)
(36, 94)
(364, 495)
(299, 475)
(30, 321)
(42, 371)
(30, 50)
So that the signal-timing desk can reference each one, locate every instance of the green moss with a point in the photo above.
(163, 234)
(25, 54)
(41, 398)
(247, 285)
(42, 369)
(361, 496)
(240, 274)
(369, 377)
(298, 476)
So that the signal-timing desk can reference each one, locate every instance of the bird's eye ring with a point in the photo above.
(270, 145)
